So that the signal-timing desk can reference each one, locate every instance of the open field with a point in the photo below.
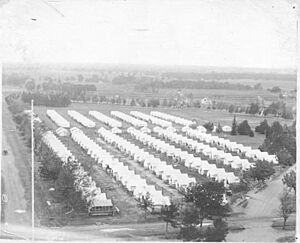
(241, 97)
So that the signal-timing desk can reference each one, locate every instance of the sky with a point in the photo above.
(222, 33)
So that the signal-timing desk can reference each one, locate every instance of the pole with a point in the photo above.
(32, 174)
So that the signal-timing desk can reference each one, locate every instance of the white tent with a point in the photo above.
(62, 132)
(226, 129)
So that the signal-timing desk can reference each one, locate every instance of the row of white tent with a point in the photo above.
(57, 119)
(213, 153)
(202, 166)
(82, 181)
(152, 119)
(166, 172)
(129, 119)
(226, 144)
(133, 182)
(105, 119)
(175, 119)
(83, 120)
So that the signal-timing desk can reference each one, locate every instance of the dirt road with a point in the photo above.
(14, 179)
(259, 214)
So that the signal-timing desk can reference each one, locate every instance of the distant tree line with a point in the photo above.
(15, 79)
(278, 108)
(228, 75)
(187, 84)
(54, 99)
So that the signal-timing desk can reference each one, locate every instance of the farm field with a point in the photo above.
(244, 97)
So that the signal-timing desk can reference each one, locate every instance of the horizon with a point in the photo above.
(165, 68)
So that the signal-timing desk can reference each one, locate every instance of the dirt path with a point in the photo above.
(14, 178)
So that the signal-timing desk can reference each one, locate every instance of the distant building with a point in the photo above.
(206, 102)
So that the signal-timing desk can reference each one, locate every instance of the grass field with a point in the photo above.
(242, 97)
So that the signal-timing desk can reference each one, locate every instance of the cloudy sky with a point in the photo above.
(226, 33)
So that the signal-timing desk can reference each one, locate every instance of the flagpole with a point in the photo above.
(32, 173)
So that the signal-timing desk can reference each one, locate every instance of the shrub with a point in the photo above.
(254, 108)
(244, 128)
(251, 134)
(132, 103)
(209, 126)
(219, 128)
(238, 187)
(234, 127)
(263, 127)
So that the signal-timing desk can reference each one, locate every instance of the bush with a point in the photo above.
(132, 103)
(251, 134)
(262, 171)
(244, 128)
(238, 187)
(275, 89)
(209, 126)
(254, 108)
(263, 127)
(231, 108)
(285, 157)
(234, 127)
(219, 128)
(287, 113)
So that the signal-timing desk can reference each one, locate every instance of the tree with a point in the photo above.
(219, 128)
(289, 180)
(234, 127)
(50, 164)
(287, 113)
(263, 127)
(218, 233)
(261, 171)
(244, 128)
(169, 214)
(254, 108)
(132, 103)
(231, 108)
(208, 198)
(145, 203)
(258, 86)
(282, 142)
(80, 77)
(251, 133)
(275, 89)
(30, 85)
(165, 102)
(209, 126)
(287, 206)
(190, 233)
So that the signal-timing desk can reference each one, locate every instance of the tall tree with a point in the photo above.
(244, 128)
(169, 214)
(262, 171)
(234, 127)
(208, 198)
(289, 180)
(145, 203)
(287, 206)
(30, 85)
